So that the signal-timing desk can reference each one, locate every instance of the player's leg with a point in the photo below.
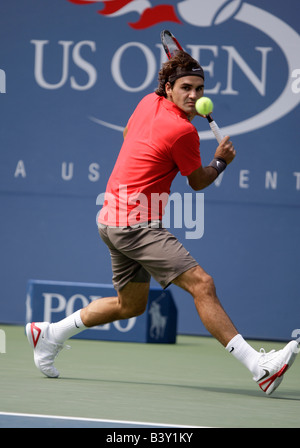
(47, 339)
(131, 282)
(201, 286)
(130, 302)
(267, 368)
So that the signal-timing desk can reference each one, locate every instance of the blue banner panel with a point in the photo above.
(71, 75)
(53, 301)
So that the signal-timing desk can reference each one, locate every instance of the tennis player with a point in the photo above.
(159, 142)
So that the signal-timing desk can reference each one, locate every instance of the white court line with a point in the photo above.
(84, 419)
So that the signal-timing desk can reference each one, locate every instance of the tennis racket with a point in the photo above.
(171, 47)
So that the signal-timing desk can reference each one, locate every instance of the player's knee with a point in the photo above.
(209, 282)
(140, 309)
(205, 285)
(134, 309)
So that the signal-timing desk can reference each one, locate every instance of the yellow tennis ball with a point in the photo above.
(204, 105)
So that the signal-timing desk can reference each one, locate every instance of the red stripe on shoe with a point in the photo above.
(271, 380)
(35, 337)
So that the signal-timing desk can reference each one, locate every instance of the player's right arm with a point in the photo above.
(202, 177)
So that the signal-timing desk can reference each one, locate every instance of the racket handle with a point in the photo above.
(215, 128)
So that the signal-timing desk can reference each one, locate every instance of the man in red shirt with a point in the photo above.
(150, 158)
(159, 142)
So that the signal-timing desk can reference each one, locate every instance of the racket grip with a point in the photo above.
(216, 130)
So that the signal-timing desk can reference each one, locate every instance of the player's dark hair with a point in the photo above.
(182, 64)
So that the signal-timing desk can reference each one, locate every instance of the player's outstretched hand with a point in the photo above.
(226, 150)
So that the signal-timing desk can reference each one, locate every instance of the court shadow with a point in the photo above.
(288, 395)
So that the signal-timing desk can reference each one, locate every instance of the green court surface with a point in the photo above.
(194, 382)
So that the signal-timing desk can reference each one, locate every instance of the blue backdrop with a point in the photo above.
(72, 72)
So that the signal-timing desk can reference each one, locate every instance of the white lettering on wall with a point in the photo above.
(77, 59)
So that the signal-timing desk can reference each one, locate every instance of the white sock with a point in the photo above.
(66, 328)
(242, 351)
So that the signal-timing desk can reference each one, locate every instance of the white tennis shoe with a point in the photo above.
(274, 365)
(44, 350)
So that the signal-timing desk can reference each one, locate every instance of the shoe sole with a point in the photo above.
(271, 384)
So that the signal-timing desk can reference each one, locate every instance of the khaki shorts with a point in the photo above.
(137, 253)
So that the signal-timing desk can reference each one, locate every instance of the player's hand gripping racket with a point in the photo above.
(171, 46)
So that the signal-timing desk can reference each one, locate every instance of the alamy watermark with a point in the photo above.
(2, 81)
(2, 341)
(296, 335)
(180, 211)
(296, 83)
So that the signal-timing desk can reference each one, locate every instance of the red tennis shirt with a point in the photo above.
(160, 142)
